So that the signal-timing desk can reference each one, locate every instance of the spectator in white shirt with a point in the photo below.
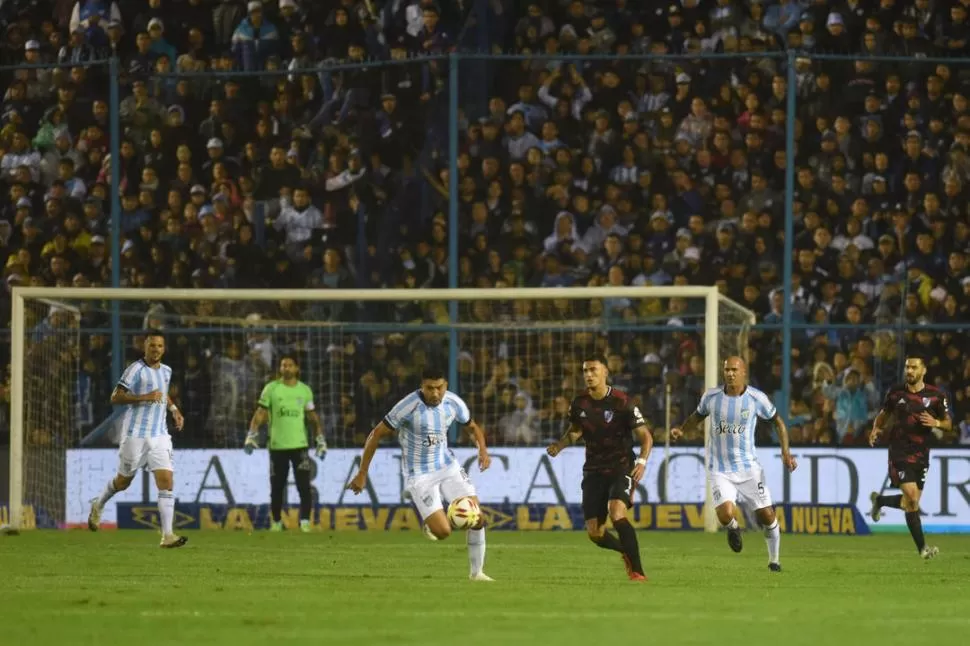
(298, 219)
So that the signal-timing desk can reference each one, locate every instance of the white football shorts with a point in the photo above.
(152, 453)
(430, 489)
(745, 487)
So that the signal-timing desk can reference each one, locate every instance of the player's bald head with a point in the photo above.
(735, 362)
(735, 372)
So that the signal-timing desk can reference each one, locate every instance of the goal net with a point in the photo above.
(514, 355)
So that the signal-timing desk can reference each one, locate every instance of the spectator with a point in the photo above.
(255, 39)
(854, 406)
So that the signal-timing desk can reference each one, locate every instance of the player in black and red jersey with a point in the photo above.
(918, 411)
(607, 420)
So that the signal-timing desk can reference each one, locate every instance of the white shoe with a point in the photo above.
(876, 511)
(480, 576)
(929, 552)
(172, 541)
(94, 516)
(427, 533)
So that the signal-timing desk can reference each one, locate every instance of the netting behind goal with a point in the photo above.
(516, 361)
(53, 377)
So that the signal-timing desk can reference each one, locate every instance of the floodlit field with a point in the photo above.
(116, 588)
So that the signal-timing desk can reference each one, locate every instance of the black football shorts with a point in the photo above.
(599, 489)
(901, 471)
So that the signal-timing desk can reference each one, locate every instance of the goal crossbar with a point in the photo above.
(20, 295)
(469, 294)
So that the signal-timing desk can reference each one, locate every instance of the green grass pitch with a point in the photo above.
(552, 589)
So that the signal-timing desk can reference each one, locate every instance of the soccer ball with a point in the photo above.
(464, 513)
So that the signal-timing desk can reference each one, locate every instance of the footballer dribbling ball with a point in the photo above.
(464, 513)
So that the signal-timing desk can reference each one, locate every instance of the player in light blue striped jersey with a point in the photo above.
(733, 468)
(431, 472)
(145, 442)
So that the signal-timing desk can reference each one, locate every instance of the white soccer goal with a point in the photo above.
(513, 354)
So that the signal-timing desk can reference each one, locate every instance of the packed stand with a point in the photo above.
(587, 172)
(226, 181)
(658, 172)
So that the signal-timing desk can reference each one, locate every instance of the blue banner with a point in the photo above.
(793, 519)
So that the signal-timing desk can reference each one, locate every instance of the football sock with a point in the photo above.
(609, 542)
(895, 502)
(916, 529)
(302, 477)
(628, 538)
(166, 509)
(276, 498)
(476, 550)
(109, 491)
(733, 524)
(773, 539)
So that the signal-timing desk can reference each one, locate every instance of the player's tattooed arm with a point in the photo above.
(878, 424)
(176, 414)
(359, 481)
(643, 435)
(316, 432)
(477, 435)
(314, 422)
(786, 457)
(259, 418)
(572, 434)
(252, 436)
(690, 425)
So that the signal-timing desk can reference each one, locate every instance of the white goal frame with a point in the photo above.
(712, 302)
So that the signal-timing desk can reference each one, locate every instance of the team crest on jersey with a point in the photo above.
(608, 416)
(744, 414)
(299, 401)
(926, 402)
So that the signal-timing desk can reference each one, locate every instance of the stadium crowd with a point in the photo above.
(588, 171)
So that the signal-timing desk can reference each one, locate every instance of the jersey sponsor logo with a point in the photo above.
(434, 440)
(290, 412)
(608, 416)
(729, 429)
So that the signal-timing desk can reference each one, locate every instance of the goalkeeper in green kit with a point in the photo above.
(287, 403)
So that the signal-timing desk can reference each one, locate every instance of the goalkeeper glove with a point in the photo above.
(321, 447)
(251, 443)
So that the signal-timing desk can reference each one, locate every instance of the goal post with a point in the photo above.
(537, 332)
